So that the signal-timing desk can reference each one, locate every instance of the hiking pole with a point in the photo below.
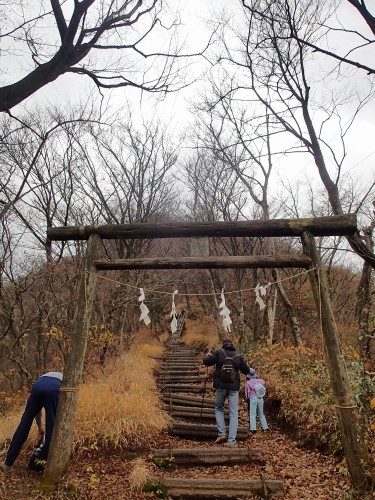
(204, 392)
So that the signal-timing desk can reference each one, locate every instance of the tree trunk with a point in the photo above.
(61, 445)
(363, 309)
(272, 316)
(354, 240)
(293, 320)
(342, 393)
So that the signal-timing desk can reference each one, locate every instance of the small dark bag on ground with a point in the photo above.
(37, 460)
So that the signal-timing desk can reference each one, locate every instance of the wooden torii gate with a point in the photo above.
(306, 229)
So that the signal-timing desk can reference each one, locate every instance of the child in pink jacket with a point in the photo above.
(255, 402)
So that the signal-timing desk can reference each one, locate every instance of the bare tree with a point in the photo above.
(115, 44)
(276, 72)
(24, 146)
(333, 28)
(127, 175)
(282, 63)
(216, 195)
(242, 141)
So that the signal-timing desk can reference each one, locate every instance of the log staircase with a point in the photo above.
(187, 395)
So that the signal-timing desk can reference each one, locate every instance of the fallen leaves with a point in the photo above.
(306, 474)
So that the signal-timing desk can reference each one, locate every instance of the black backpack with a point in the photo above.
(227, 371)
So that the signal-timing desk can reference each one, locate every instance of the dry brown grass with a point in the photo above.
(201, 334)
(8, 424)
(151, 350)
(139, 474)
(122, 407)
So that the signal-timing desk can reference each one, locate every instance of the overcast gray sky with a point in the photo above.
(174, 110)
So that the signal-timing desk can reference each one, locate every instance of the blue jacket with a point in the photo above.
(217, 358)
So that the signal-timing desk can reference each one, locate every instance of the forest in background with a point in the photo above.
(275, 85)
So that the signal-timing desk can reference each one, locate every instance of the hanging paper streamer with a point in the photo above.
(173, 314)
(261, 291)
(225, 312)
(144, 309)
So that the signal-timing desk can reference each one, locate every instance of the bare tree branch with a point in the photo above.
(96, 25)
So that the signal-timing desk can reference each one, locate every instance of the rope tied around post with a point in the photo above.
(346, 407)
(69, 389)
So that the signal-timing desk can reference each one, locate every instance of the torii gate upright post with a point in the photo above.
(346, 407)
(62, 439)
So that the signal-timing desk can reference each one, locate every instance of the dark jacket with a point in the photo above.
(217, 358)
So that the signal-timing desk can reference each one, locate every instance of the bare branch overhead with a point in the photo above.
(135, 34)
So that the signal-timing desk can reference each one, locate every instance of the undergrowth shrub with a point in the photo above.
(297, 377)
(201, 334)
(139, 474)
(122, 406)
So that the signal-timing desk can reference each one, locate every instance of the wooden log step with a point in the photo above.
(192, 411)
(180, 379)
(175, 363)
(169, 371)
(183, 373)
(187, 367)
(207, 456)
(196, 430)
(184, 357)
(180, 347)
(188, 400)
(183, 370)
(218, 488)
(180, 354)
(166, 388)
(183, 363)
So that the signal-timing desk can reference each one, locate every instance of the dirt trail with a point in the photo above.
(104, 475)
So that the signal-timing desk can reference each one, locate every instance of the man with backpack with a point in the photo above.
(255, 390)
(226, 382)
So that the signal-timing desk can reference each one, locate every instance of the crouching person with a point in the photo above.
(44, 394)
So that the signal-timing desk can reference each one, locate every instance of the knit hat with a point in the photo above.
(251, 373)
(227, 341)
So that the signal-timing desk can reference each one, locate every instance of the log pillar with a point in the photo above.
(62, 439)
(346, 407)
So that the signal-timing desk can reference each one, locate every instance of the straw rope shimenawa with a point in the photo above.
(162, 292)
